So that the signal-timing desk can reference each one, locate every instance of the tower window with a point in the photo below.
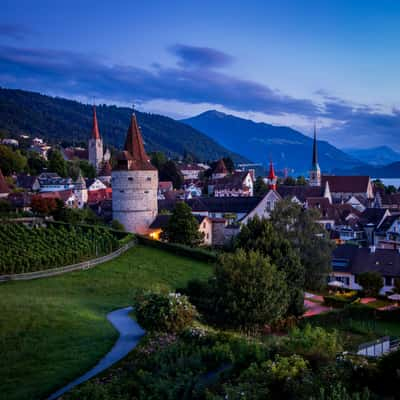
(130, 179)
(146, 191)
(148, 179)
(122, 191)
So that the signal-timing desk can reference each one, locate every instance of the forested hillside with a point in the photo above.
(57, 120)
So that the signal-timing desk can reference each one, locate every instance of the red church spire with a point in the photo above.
(272, 178)
(95, 129)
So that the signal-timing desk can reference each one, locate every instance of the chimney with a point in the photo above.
(372, 249)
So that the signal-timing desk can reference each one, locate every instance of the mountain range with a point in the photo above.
(259, 142)
(60, 120)
(376, 156)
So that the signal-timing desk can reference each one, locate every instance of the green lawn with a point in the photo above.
(54, 329)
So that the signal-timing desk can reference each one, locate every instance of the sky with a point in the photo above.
(286, 62)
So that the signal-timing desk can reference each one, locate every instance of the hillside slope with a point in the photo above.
(57, 119)
(259, 141)
(381, 155)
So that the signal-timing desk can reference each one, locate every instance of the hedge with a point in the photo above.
(338, 301)
(179, 249)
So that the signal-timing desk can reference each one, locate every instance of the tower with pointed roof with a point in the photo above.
(220, 170)
(315, 171)
(134, 182)
(272, 178)
(80, 191)
(95, 147)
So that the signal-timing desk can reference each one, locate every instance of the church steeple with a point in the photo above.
(272, 178)
(315, 172)
(95, 128)
(95, 146)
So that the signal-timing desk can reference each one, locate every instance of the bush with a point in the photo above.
(164, 312)
(180, 249)
(251, 292)
(339, 301)
(314, 343)
(371, 283)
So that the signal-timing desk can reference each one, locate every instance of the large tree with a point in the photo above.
(57, 163)
(11, 161)
(170, 172)
(260, 187)
(259, 234)
(183, 227)
(250, 290)
(311, 240)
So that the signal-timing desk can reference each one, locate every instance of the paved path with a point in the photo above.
(130, 333)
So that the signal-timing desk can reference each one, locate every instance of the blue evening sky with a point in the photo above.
(283, 62)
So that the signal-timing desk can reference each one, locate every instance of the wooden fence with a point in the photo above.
(68, 268)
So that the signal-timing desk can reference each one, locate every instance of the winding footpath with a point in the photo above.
(130, 334)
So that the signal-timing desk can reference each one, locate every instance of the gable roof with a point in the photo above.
(357, 260)
(302, 192)
(389, 199)
(26, 181)
(346, 184)
(230, 182)
(216, 204)
(220, 168)
(372, 216)
(388, 222)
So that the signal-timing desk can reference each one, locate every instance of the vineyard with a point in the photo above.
(24, 249)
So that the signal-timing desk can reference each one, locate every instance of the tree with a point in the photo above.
(229, 164)
(390, 189)
(250, 290)
(11, 161)
(260, 187)
(158, 159)
(117, 225)
(183, 227)
(36, 163)
(259, 234)
(87, 169)
(42, 205)
(57, 163)
(170, 172)
(301, 181)
(308, 237)
(290, 181)
(371, 283)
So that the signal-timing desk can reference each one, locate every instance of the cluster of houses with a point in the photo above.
(363, 221)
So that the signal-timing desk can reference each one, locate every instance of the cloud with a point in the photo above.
(194, 81)
(77, 74)
(200, 57)
(14, 31)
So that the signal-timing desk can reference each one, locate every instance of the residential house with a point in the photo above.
(348, 261)
(191, 171)
(51, 182)
(67, 196)
(237, 184)
(28, 182)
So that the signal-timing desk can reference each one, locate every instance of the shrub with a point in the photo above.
(250, 290)
(371, 283)
(314, 343)
(164, 312)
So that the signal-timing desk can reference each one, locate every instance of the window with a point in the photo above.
(122, 191)
(207, 236)
(130, 179)
(204, 225)
(148, 179)
(146, 191)
(388, 280)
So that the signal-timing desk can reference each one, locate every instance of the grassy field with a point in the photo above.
(52, 330)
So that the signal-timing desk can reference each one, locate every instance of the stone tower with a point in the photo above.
(95, 148)
(315, 171)
(134, 183)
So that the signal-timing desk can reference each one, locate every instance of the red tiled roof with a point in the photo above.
(63, 195)
(165, 185)
(346, 184)
(96, 196)
(134, 148)
(3, 184)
